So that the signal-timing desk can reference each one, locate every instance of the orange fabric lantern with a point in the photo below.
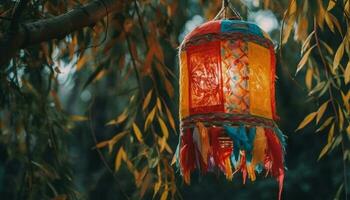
(227, 102)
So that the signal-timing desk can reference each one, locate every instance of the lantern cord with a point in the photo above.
(222, 14)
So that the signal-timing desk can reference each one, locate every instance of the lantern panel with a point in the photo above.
(205, 79)
(259, 80)
(184, 100)
(235, 76)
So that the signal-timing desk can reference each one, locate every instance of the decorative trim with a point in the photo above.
(201, 39)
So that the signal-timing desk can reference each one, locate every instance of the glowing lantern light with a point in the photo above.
(227, 102)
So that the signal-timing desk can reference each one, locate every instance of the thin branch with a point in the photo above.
(55, 27)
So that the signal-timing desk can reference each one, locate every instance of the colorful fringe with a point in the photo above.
(232, 149)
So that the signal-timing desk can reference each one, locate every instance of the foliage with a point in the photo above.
(116, 82)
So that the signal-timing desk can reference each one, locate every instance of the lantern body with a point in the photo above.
(227, 102)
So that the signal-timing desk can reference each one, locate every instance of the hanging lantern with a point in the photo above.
(227, 102)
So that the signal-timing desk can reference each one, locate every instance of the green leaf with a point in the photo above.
(341, 118)
(307, 120)
(317, 88)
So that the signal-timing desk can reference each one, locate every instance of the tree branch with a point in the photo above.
(54, 28)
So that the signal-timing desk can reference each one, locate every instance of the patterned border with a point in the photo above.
(221, 119)
(201, 39)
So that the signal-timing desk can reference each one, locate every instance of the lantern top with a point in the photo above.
(227, 29)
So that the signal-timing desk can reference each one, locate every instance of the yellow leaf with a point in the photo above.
(331, 5)
(307, 120)
(163, 127)
(147, 99)
(164, 195)
(338, 56)
(320, 14)
(168, 87)
(325, 124)
(170, 118)
(293, 7)
(329, 21)
(348, 130)
(308, 78)
(328, 48)
(122, 117)
(304, 59)
(137, 132)
(321, 111)
(345, 99)
(102, 144)
(114, 140)
(60, 197)
(330, 134)
(288, 26)
(336, 23)
(78, 118)
(324, 150)
(173, 160)
(121, 155)
(82, 61)
(156, 188)
(159, 105)
(150, 118)
(306, 43)
(168, 148)
(161, 143)
(347, 73)
(301, 30)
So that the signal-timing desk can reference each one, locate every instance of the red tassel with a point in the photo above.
(187, 156)
(203, 166)
(276, 154)
(220, 152)
(243, 167)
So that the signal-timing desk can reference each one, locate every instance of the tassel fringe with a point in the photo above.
(232, 149)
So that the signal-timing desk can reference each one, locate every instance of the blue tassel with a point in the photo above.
(259, 168)
(251, 137)
(281, 137)
(243, 138)
(232, 132)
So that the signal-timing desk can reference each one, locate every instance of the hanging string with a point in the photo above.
(222, 14)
